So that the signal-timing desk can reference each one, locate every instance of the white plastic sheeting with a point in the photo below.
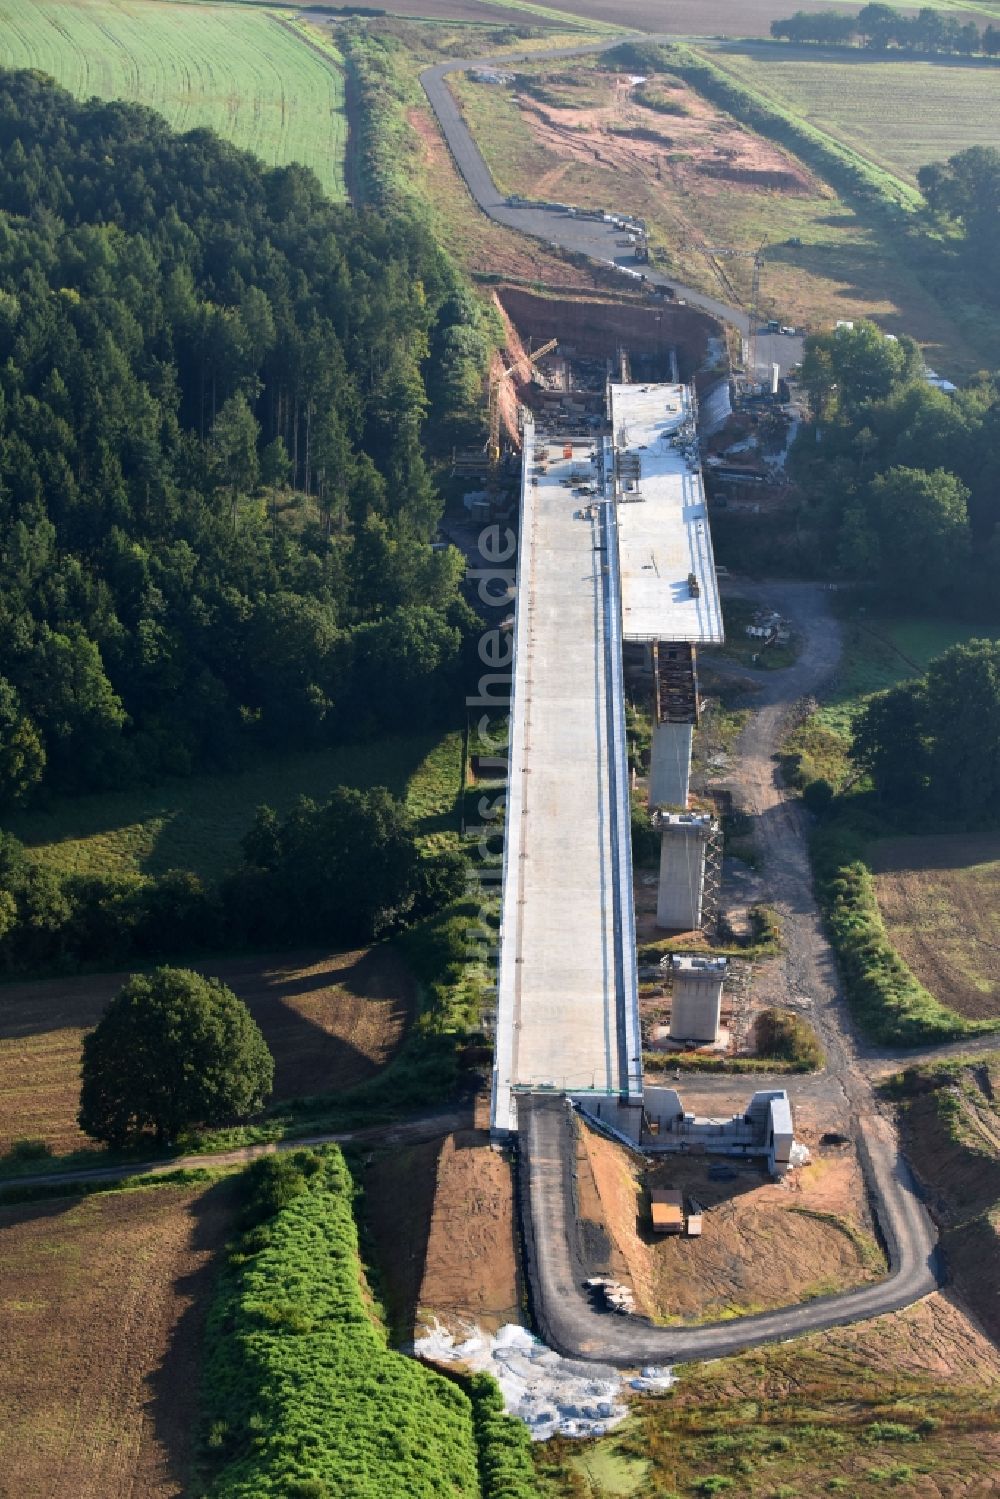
(552, 1395)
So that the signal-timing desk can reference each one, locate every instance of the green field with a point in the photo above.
(900, 114)
(244, 72)
(197, 823)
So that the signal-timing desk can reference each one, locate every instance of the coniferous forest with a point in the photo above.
(185, 337)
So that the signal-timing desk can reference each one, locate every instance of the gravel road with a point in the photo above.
(583, 236)
(404, 1132)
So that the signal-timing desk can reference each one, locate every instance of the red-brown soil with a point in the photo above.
(764, 1243)
(702, 143)
(331, 1021)
(101, 1317)
(441, 1223)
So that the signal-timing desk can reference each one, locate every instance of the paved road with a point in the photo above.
(555, 1269)
(570, 1323)
(406, 1132)
(583, 236)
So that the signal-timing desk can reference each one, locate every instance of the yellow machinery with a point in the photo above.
(523, 366)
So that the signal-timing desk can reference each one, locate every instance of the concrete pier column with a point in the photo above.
(670, 764)
(684, 838)
(696, 997)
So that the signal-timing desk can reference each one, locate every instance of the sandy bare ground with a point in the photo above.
(764, 1243)
(441, 1217)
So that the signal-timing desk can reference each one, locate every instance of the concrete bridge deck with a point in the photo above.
(567, 1003)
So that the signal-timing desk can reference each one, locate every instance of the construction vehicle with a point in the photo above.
(525, 361)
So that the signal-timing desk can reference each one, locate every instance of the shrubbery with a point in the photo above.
(301, 1394)
(789, 1038)
(505, 1466)
(346, 870)
(888, 1001)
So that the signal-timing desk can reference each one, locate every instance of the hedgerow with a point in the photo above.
(301, 1393)
(505, 1466)
(845, 169)
(888, 1001)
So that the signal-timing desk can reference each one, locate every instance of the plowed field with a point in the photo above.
(940, 900)
(330, 1021)
(101, 1314)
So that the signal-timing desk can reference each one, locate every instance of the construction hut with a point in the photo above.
(668, 1210)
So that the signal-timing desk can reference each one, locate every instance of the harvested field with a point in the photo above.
(101, 1318)
(764, 1244)
(900, 113)
(940, 900)
(330, 1021)
(441, 1224)
(236, 69)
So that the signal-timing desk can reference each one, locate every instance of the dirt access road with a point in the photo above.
(805, 969)
(404, 1132)
(589, 237)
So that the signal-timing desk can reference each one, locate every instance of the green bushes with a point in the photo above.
(505, 1466)
(789, 1038)
(888, 1001)
(301, 1394)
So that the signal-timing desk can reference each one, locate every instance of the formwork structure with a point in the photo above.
(685, 840)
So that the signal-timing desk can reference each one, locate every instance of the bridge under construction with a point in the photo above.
(615, 547)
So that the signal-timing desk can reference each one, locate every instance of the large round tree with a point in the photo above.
(173, 1049)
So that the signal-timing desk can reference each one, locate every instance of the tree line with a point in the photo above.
(934, 744)
(341, 872)
(901, 479)
(964, 192)
(882, 27)
(186, 337)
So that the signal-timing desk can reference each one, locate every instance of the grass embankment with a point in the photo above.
(951, 1124)
(197, 823)
(240, 71)
(887, 998)
(899, 113)
(301, 1393)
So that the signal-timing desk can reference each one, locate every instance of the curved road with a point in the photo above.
(589, 237)
(807, 967)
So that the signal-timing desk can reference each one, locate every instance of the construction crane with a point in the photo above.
(753, 309)
(521, 363)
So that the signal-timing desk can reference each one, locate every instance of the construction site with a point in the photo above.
(601, 413)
